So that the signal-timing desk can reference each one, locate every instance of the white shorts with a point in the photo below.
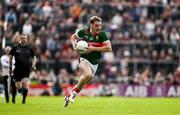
(93, 67)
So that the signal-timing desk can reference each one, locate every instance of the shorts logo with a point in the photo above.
(82, 59)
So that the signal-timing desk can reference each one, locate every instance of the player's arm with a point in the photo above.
(74, 38)
(106, 47)
(33, 60)
(34, 63)
(74, 41)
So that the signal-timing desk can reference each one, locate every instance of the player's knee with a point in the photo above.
(18, 88)
(88, 75)
(18, 85)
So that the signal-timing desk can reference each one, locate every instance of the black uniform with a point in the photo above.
(23, 61)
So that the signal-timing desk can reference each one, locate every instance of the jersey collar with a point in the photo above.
(93, 33)
(22, 45)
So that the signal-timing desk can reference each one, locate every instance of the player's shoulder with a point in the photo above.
(80, 30)
(30, 47)
(103, 33)
(15, 46)
(84, 29)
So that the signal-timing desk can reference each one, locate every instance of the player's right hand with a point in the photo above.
(74, 46)
(33, 68)
(89, 49)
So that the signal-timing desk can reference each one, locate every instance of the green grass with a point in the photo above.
(93, 106)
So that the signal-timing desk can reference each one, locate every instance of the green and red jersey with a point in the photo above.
(96, 40)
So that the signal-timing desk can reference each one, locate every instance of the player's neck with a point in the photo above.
(93, 32)
(22, 44)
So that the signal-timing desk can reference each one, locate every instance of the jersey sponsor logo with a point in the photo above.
(100, 44)
(17, 51)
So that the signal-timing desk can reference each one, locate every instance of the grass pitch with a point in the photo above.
(93, 106)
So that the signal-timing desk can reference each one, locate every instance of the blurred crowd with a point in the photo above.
(145, 36)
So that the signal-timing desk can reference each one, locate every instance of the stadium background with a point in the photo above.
(145, 36)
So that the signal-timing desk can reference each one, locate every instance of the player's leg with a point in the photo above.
(5, 82)
(92, 69)
(17, 79)
(24, 89)
(86, 75)
(86, 82)
(19, 86)
(13, 87)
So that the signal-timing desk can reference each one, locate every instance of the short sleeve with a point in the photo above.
(80, 33)
(104, 37)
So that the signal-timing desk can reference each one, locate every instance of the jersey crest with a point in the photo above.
(97, 37)
(86, 31)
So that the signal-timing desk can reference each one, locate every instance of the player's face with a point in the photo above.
(96, 26)
(23, 40)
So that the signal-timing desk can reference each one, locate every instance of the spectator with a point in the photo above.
(27, 28)
(11, 17)
(117, 19)
(47, 9)
(159, 78)
(177, 76)
(174, 36)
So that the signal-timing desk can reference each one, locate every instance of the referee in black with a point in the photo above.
(25, 61)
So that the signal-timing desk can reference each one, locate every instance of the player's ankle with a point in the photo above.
(23, 102)
(75, 90)
(20, 90)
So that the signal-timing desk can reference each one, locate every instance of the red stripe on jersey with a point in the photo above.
(100, 44)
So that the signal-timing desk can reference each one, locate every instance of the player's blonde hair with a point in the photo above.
(94, 19)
